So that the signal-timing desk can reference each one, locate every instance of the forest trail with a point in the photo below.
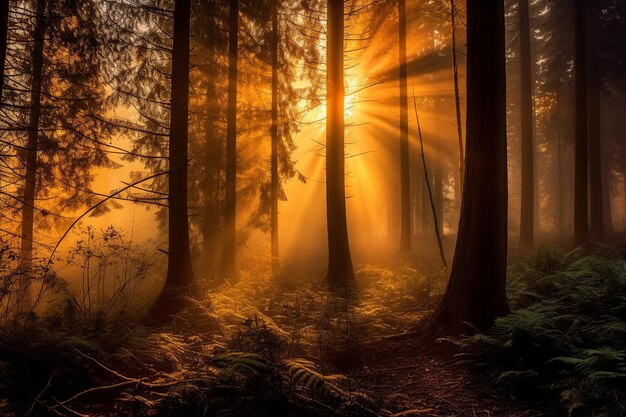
(429, 383)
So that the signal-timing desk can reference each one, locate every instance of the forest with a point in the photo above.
(303, 208)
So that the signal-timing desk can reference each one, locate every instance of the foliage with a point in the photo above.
(566, 335)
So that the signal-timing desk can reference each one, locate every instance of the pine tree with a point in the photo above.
(340, 271)
(405, 180)
(179, 276)
(527, 218)
(476, 290)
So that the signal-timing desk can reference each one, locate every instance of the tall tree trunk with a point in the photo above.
(476, 290)
(607, 192)
(560, 195)
(211, 200)
(457, 103)
(30, 177)
(527, 218)
(275, 139)
(581, 189)
(596, 198)
(229, 261)
(340, 270)
(405, 179)
(624, 185)
(4, 27)
(179, 268)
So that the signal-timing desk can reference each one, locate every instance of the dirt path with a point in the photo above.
(411, 381)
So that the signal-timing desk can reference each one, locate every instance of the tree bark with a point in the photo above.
(581, 189)
(340, 271)
(607, 192)
(275, 140)
(476, 290)
(229, 261)
(527, 218)
(30, 177)
(179, 268)
(457, 103)
(560, 216)
(405, 179)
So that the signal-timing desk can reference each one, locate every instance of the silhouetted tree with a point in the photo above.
(179, 268)
(596, 186)
(340, 271)
(527, 218)
(405, 179)
(275, 180)
(476, 290)
(229, 266)
(457, 102)
(581, 180)
(32, 145)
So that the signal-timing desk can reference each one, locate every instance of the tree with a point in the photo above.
(457, 103)
(594, 85)
(581, 189)
(476, 290)
(340, 271)
(4, 25)
(405, 179)
(229, 266)
(179, 268)
(32, 145)
(275, 180)
(527, 218)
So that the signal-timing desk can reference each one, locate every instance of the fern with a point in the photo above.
(566, 334)
(232, 363)
(301, 375)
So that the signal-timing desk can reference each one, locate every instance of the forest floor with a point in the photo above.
(264, 347)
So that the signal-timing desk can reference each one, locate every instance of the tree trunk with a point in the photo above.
(607, 192)
(624, 185)
(405, 179)
(596, 198)
(527, 218)
(179, 268)
(211, 200)
(30, 177)
(4, 27)
(457, 103)
(275, 180)
(476, 290)
(340, 272)
(581, 200)
(229, 266)
(560, 216)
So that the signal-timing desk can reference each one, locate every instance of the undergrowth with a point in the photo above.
(257, 348)
(266, 348)
(566, 334)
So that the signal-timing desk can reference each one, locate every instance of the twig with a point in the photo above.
(32, 406)
(105, 367)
